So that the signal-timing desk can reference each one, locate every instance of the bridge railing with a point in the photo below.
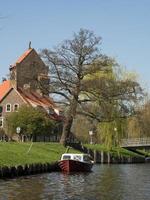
(135, 142)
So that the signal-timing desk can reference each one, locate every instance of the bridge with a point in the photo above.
(135, 144)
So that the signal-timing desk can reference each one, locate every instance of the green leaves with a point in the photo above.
(30, 120)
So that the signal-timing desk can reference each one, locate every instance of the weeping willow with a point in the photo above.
(110, 133)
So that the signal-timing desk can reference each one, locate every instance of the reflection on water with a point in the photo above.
(106, 182)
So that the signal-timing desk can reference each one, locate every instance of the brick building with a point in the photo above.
(28, 84)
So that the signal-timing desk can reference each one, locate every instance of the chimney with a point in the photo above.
(26, 86)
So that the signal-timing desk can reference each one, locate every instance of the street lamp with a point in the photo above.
(115, 129)
(91, 136)
(115, 136)
(18, 130)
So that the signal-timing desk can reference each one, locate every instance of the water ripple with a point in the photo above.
(106, 182)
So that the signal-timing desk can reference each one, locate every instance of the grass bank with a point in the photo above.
(115, 151)
(13, 154)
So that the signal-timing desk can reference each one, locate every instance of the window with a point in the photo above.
(1, 110)
(65, 157)
(16, 107)
(1, 122)
(77, 157)
(86, 158)
(8, 108)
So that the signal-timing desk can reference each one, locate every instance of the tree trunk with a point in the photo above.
(66, 130)
(68, 122)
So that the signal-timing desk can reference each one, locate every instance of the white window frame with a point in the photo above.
(6, 107)
(2, 120)
(16, 104)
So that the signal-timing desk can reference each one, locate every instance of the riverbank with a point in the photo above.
(114, 155)
(114, 151)
(13, 154)
(18, 159)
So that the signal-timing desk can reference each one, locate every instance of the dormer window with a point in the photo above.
(16, 107)
(8, 107)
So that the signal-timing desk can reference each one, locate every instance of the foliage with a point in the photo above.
(30, 120)
(110, 133)
(81, 127)
(139, 125)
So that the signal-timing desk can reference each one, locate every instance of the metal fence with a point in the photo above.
(135, 142)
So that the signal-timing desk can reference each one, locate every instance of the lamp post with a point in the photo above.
(115, 137)
(115, 129)
(91, 136)
(18, 130)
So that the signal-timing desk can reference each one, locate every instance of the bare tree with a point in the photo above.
(71, 65)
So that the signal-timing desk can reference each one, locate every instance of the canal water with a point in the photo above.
(106, 182)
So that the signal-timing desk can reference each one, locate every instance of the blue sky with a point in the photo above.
(124, 26)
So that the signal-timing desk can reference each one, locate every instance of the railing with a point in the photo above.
(135, 142)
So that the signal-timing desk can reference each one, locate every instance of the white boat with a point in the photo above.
(72, 162)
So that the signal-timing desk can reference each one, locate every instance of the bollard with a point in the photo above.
(49, 168)
(5, 172)
(13, 172)
(1, 175)
(20, 170)
(38, 168)
(26, 170)
(108, 158)
(95, 156)
(102, 157)
(33, 168)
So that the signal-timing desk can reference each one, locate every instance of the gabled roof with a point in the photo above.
(36, 99)
(5, 88)
(32, 98)
(22, 57)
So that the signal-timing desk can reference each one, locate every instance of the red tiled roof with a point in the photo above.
(35, 98)
(22, 57)
(32, 98)
(4, 88)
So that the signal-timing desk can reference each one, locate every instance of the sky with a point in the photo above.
(124, 26)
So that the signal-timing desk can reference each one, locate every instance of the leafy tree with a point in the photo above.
(32, 121)
(108, 108)
(71, 65)
(115, 96)
(139, 125)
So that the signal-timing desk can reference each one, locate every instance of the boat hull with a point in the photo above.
(74, 166)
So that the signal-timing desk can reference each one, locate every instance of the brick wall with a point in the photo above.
(12, 98)
(29, 70)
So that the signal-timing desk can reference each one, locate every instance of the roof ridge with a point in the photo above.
(22, 57)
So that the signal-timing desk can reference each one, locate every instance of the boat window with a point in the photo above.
(66, 157)
(86, 158)
(77, 157)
